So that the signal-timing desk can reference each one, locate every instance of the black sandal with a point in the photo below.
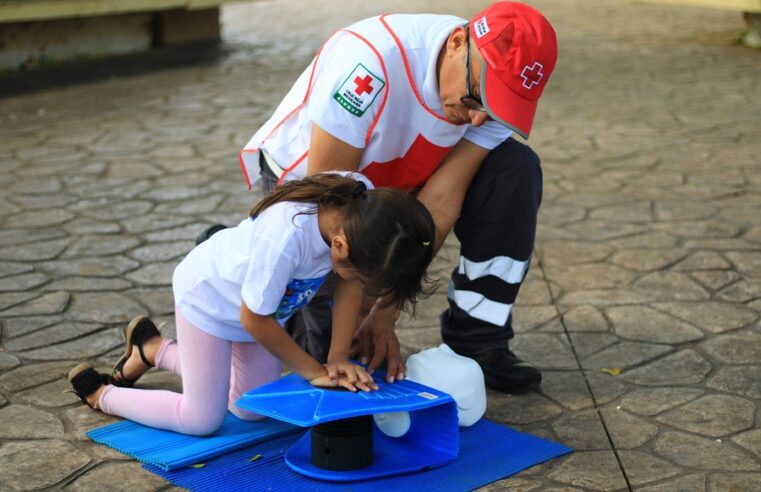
(140, 329)
(85, 381)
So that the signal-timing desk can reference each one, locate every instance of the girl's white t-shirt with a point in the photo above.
(274, 263)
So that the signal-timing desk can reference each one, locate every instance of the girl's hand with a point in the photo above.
(341, 372)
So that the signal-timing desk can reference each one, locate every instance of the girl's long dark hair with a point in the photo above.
(391, 235)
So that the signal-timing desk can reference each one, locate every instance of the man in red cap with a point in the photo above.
(429, 103)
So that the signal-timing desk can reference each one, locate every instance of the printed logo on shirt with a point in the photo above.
(482, 28)
(359, 90)
(298, 292)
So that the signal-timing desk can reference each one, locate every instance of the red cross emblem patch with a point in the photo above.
(359, 90)
(532, 75)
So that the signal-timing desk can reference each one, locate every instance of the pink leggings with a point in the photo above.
(215, 373)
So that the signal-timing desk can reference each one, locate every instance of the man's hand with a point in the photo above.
(378, 342)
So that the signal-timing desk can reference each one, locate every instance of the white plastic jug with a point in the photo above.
(443, 369)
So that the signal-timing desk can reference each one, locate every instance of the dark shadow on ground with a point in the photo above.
(121, 66)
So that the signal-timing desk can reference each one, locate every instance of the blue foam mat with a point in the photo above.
(488, 452)
(168, 450)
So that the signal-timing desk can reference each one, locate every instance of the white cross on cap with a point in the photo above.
(534, 75)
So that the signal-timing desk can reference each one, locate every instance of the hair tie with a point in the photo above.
(359, 190)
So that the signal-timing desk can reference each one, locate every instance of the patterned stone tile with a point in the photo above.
(652, 401)
(644, 324)
(647, 259)
(531, 317)
(43, 250)
(153, 274)
(117, 211)
(626, 430)
(688, 483)
(84, 284)
(80, 348)
(590, 276)
(567, 388)
(100, 245)
(50, 395)
(81, 418)
(583, 431)
(603, 298)
(91, 267)
(552, 350)
(715, 317)
(53, 303)
(37, 464)
(746, 289)
(87, 225)
(750, 440)
(740, 380)
(585, 319)
(56, 333)
(15, 298)
(126, 477)
(702, 454)
(591, 470)
(15, 327)
(586, 344)
(703, 260)
(159, 301)
(520, 409)
(643, 468)
(624, 355)
(738, 348)
(103, 307)
(605, 387)
(684, 367)
(712, 415)
(13, 268)
(186, 233)
(39, 218)
(23, 422)
(725, 482)
(560, 253)
(671, 285)
(26, 281)
(8, 361)
(29, 375)
(715, 280)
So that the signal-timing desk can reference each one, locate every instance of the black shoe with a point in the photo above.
(208, 232)
(505, 372)
(138, 331)
(85, 381)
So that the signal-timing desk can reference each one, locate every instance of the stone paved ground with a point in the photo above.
(642, 306)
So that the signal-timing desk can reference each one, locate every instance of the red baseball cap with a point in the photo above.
(520, 49)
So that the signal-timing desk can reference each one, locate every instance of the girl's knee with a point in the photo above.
(245, 414)
(203, 425)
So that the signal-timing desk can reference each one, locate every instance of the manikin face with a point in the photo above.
(455, 80)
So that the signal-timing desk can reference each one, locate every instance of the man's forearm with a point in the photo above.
(444, 192)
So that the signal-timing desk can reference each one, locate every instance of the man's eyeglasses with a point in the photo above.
(469, 100)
